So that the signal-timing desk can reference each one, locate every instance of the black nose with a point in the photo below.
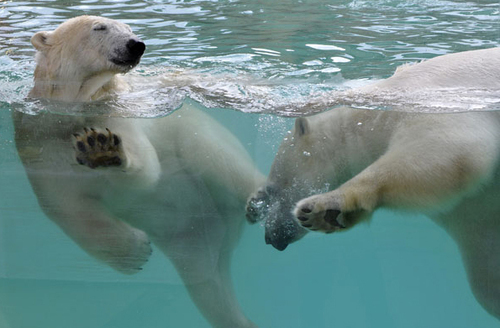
(280, 232)
(280, 245)
(281, 228)
(136, 47)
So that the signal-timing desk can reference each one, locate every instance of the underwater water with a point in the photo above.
(254, 66)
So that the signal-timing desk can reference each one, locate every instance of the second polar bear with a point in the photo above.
(113, 184)
(336, 168)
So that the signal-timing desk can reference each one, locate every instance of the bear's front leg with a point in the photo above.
(129, 151)
(431, 164)
(98, 149)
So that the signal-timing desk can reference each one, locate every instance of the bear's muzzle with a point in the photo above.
(130, 55)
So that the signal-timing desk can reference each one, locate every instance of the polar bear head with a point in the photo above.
(298, 171)
(83, 52)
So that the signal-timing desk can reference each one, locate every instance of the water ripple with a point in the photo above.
(259, 55)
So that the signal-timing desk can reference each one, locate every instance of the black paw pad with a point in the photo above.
(116, 140)
(331, 218)
(81, 146)
(101, 138)
(306, 210)
(91, 141)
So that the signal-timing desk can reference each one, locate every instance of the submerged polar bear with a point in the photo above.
(445, 165)
(112, 184)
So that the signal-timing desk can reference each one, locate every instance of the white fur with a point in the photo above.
(183, 179)
(86, 73)
(445, 165)
(477, 69)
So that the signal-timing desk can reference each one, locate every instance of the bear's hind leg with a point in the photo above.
(479, 244)
(107, 239)
(203, 262)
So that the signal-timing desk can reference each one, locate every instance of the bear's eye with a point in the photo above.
(100, 27)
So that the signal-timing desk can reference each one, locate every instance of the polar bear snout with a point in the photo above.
(281, 233)
(281, 228)
(130, 54)
(136, 48)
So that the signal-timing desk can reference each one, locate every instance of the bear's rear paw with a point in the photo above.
(131, 259)
(98, 149)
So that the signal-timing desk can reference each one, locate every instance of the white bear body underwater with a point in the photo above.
(112, 184)
(444, 165)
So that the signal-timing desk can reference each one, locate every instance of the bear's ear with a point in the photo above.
(41, 41)
(301, 126)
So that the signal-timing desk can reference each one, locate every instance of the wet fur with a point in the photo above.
(443, 165)
(114, 184)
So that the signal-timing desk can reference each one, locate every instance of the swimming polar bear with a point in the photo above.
(111, 184)
(336, 168)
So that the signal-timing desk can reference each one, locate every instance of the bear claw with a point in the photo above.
(306, 210)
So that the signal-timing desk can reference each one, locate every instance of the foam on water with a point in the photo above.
(159, 91)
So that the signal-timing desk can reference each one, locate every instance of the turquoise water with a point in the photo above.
(236, 58)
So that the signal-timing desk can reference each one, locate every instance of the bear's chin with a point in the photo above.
(124, 65)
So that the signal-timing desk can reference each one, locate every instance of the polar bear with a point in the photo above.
(112, 184)
(336, 168)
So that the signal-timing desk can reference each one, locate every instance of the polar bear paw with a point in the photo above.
(328, 213)
(324, 213)
(98, 149)
(134, 258)
(257, 206)
(320, 213)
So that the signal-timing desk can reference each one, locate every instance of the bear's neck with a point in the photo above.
(98, 86)
(78, 89)
(353, 138)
